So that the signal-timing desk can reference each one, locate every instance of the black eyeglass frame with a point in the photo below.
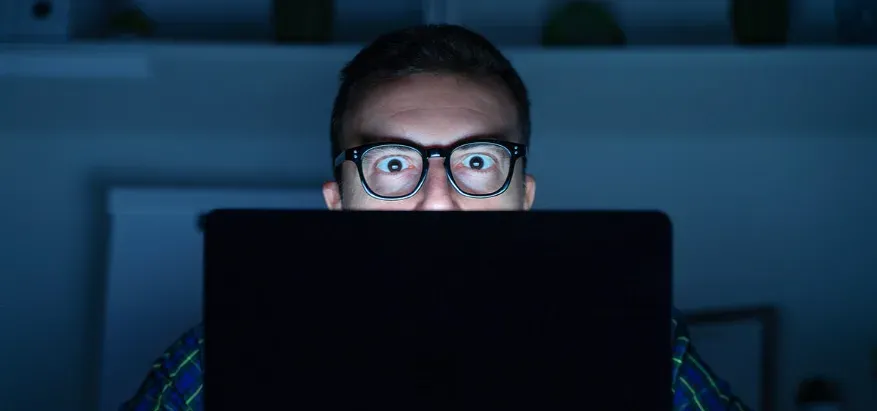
(355, 154)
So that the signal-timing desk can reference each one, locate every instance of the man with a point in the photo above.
(426, 118)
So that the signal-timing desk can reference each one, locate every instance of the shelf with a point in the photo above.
(149, 60)
(510, 24)
(210, 90)
(135, 59)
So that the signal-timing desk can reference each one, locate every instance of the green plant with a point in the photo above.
(132, 21)
(583, 23)
(760, 22)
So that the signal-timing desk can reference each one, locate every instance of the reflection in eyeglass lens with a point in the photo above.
(476, 169)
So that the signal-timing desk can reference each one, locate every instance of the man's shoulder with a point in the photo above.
(176, 378)
(194, 337)
(679, 340)
(678, 329)
(185, 353)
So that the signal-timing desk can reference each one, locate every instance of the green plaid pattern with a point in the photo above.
(176, 383)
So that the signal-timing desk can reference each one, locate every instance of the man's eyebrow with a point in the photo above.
(362, 139)
(487, 136)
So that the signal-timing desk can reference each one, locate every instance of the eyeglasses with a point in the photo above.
(394, 171)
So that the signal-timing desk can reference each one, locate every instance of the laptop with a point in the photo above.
(322, 310)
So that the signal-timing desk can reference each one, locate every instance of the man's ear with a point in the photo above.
(529, 191)
(332, 195)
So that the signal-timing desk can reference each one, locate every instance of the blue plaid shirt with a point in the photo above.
(176, 383)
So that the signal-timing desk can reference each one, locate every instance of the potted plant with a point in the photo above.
(760, 22)
(583, 23)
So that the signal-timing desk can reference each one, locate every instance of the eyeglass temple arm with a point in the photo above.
(342, 157)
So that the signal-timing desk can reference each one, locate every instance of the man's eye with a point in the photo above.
(393, 164)
(477, 162)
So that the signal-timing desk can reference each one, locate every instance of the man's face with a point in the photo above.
(431, 111)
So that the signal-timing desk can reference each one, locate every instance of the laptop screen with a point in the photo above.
(496, 310)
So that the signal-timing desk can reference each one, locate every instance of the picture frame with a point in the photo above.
(740, 345)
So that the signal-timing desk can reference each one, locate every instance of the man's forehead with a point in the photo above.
(432, 111)
(362, 139)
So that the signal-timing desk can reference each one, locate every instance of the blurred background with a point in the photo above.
(752, 123)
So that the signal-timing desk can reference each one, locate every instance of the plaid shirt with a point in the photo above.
(176, 380)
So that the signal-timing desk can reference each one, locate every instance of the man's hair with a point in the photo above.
(436, 49)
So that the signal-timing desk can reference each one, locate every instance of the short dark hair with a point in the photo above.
(441, 48)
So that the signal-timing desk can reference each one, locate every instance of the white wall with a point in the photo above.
(765, 162)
